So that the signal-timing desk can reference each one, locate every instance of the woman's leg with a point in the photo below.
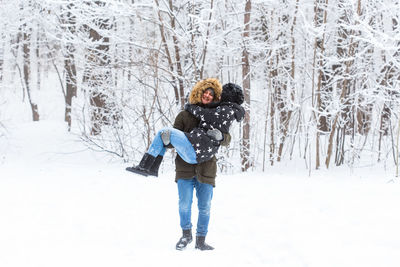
(178, 140)
(152, 159)
(157, 146)
(183, 146)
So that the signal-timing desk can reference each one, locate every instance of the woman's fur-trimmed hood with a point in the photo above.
(201, 86)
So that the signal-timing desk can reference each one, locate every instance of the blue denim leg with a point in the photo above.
(178, 140)
(204, 193)
(185, 191)
(182, 146)
(157, 146)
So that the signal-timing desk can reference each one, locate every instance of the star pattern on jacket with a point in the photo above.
(220, 117)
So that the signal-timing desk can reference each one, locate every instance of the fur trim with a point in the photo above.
(201, 86)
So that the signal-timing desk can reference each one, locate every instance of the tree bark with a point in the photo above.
(168, 53)
(98, 76)
(69, 66)
(27, 72)
(286, 113)
(177, 57)
(352, 47)
(207, 37)
(2, 59)
(245, 148)
(319, 19)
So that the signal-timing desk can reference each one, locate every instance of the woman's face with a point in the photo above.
(207, 97)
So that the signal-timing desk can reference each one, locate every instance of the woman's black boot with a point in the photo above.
(144, 166)
(156, 165)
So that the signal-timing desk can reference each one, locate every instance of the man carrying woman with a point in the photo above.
(197, 134)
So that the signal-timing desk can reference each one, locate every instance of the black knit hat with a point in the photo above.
(232, 93)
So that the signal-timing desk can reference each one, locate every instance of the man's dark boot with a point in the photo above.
(201, 244)
(156, 165)
(144, 166)
(184, 240)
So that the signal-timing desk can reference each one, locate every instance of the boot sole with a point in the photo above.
(204, 249)
(131, 169)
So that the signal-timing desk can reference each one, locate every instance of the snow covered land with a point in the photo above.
(62, 205)
(322, 83)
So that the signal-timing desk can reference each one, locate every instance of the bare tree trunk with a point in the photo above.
(267, 29)
(345, 89)
(245, 148)
(131, 49)
(71, 85)
(397, 149)
(341, 53)
(167, 52)
(177, 57)
(283, 114)
(334, 125)
(286, 114)
(272, 130)
(207, 37)
(345, 51)
(38, 58)
(27, 71)
(390, 75)
(98, 99)
(194, 9)
(69, 66)
(266, 131)
(98, 75)
(319, 19)
(2, 57)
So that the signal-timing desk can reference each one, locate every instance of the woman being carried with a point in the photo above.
(203, 141)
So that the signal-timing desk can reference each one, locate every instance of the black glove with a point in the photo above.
(186, 106)
(215, 134)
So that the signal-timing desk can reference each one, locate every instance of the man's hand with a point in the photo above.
(215, 134)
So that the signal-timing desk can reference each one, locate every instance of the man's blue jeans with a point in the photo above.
(204, 194)
(178, 140)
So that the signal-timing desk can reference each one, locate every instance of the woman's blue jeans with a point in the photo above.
(204, 194)
(178, 140)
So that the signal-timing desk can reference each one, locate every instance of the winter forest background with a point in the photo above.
(321, 78)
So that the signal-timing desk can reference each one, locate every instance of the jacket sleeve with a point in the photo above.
(179, 122)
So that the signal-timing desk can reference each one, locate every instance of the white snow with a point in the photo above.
(62, 205)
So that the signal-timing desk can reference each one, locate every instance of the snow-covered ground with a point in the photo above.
(62, 205)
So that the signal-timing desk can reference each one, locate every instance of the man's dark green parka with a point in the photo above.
(184, 121)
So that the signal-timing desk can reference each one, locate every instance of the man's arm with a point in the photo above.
(178, 123)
